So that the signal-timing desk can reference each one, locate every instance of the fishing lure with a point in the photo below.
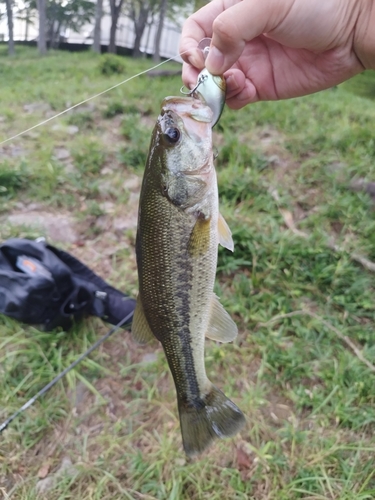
(210, 89)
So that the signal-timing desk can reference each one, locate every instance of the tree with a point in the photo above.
(139, 11)
(9, 8)
(42, 43)
(139, 17)
(97, 27)
(150, 24)
(26, 14)
(159, 31)
(115, 7)
(72, 14)
(175, 11)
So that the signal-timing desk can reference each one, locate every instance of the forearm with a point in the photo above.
(364, 43)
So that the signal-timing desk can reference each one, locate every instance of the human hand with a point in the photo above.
(278, 49)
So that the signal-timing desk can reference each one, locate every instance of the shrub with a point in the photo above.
(111, 64)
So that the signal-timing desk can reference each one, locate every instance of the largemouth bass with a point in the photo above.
(179, 229)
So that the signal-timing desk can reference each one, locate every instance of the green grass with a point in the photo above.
(308, 398)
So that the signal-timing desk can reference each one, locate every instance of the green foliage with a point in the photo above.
(11, 179)
(82, 119)
(70, 14)
(89, 156)
(94, 209)
(134, 154)
(120, 108)
(110, 64)
(362, 85)
(60, 16)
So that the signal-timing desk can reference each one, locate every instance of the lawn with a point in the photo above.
(295, 188)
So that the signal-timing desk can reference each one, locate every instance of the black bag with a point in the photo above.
(42, 285)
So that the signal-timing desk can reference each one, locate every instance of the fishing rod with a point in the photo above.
(126, 321)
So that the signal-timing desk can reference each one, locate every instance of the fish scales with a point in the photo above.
(176, 248)
(167, 296)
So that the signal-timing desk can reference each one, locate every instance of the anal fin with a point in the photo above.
(221, 327)
(141, 330)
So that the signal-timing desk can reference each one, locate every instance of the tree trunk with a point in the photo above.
(55, 35)
(42, 45)
(27, 28)
(49, 32)
(115, 14)
(149, 26)
(96, 47)
(112, 37)
(10, 27)
(163, 9)
(139, 27)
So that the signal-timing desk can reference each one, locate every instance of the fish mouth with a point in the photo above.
(190, 113)
(191, 106)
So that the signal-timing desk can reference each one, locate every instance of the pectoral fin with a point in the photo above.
(141, 331)
(200, 238)
(221, 327)
(225, 234)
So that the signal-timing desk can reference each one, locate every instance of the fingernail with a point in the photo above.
(191, 60)
(214, 61)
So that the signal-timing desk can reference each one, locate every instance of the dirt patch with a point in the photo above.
(106, 254)
(37, 107)
(12, 151)
(276, 410)
(57, 227)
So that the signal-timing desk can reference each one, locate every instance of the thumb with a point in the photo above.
(239, 24)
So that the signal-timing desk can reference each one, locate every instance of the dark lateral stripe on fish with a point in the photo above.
(182, 367)
(176, 312)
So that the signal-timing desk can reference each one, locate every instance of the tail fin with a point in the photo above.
(213, 417)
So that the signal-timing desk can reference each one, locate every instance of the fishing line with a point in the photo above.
(90, 98)
(125, 321)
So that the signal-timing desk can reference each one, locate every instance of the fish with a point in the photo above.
(179, 229)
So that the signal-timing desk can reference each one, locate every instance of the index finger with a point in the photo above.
(198, 26)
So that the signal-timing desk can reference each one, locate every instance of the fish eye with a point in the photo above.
(172, 135)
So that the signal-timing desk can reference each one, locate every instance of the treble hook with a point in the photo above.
(201, 79)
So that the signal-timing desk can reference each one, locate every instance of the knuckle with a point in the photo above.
(225, 30)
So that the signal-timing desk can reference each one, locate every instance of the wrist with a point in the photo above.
(364, 41)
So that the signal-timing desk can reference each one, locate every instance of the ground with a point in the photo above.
(295, 188)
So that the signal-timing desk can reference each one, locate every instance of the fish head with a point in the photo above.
(183, 149)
